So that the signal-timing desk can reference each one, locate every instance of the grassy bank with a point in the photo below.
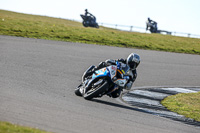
(6, 127)
(187, 104)
(32, 26)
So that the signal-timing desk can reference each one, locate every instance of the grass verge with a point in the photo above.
(33, 26)
(186, 104)
(6, 127)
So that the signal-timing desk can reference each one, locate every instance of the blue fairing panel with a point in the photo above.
(101, 73)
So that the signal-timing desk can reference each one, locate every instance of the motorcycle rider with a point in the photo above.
(153, 26)
(86, 12)
(91, 17)
(127, 66)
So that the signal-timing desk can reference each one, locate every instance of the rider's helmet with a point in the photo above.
(133, 61)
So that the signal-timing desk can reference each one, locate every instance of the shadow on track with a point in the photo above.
(117, 105)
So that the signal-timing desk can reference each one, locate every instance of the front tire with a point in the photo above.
(77, 90)
(94, 92)
(85, 24)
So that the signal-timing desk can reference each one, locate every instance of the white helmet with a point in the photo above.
(133, 61)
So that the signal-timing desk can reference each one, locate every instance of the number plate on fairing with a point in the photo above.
(113, 71)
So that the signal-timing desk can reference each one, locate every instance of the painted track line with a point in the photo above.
(149, 100)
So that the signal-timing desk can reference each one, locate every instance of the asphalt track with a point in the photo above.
(38, 77)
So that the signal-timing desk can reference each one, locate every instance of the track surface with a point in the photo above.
(38, 77)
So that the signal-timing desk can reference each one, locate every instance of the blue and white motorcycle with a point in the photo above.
(102, 82)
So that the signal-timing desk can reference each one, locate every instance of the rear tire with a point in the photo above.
(94, 92)
(97, 26)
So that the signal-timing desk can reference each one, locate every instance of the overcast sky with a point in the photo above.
(171, 15)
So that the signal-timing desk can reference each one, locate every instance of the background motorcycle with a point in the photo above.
(89, 21)
(102, 82)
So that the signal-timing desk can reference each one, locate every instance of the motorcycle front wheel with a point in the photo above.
(96, 91)
(85, 24)
(77, 90)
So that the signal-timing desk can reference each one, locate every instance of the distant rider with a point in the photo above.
(127, 66)
(89, 16)
(152, 25)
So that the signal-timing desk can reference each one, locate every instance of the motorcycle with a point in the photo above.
(102, 82)
(89, 21)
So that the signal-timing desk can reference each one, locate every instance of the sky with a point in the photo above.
(171, 15)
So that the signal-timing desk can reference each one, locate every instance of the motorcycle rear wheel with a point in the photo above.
(94, 92)
(97, 26)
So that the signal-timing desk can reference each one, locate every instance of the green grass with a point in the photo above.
(33, 26)
(6, 127)
(187, 104)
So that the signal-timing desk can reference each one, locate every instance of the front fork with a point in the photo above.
(86, 73)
